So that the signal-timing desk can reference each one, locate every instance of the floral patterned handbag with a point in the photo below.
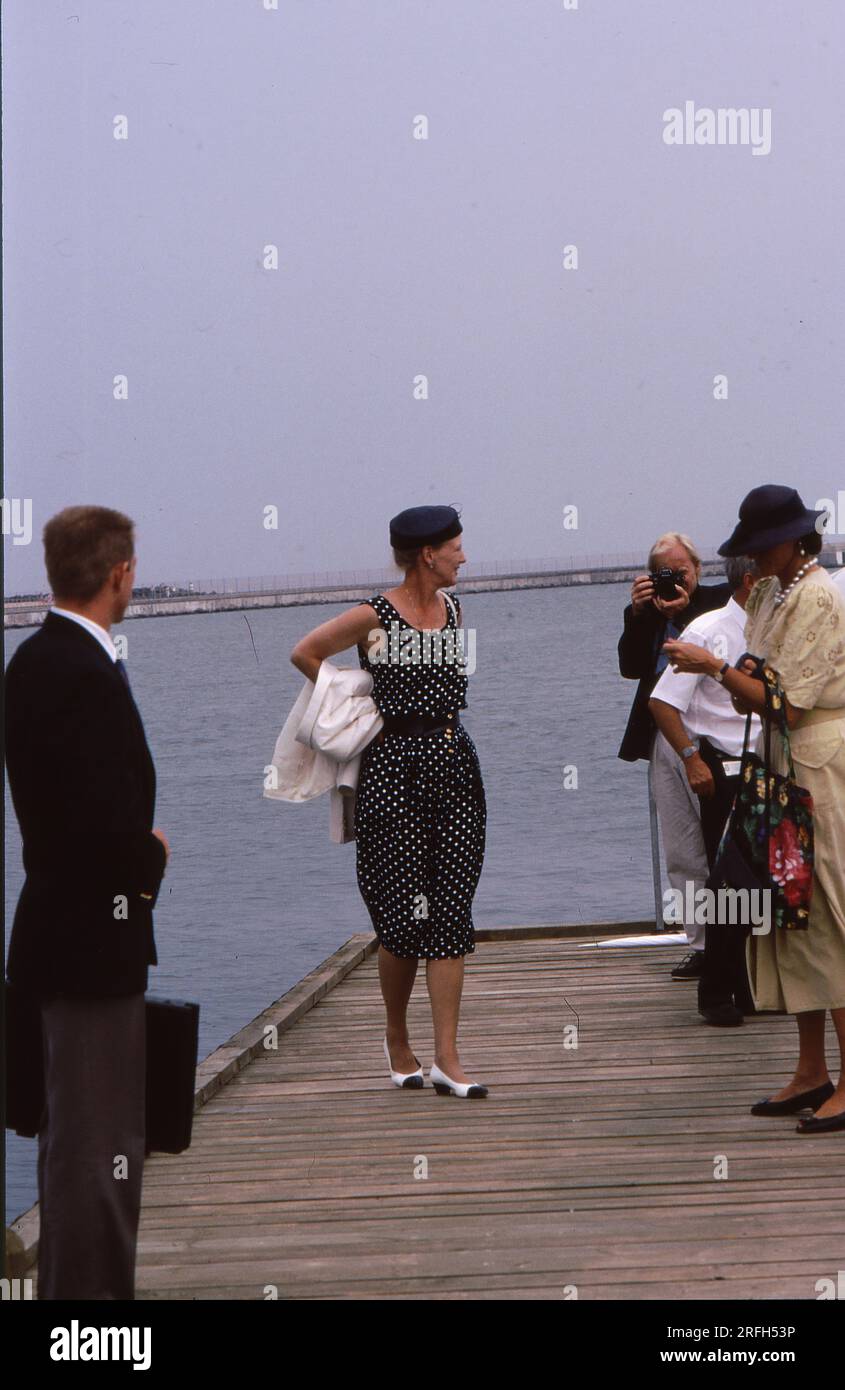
(768, 840)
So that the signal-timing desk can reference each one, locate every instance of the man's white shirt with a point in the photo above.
(94, 628)
(704, 702)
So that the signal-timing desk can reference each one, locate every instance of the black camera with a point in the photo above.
(664, 581)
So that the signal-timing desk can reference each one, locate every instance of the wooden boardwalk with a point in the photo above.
(588, 1169)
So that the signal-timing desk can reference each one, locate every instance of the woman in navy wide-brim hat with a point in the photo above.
(420, 810)
(795, 621)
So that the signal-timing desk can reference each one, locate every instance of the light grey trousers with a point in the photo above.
(91, 1146)
(679, 813)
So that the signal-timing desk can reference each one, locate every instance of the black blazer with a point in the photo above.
(83, 786)
(639, 647)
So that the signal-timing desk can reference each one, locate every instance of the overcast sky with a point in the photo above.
(399, 258)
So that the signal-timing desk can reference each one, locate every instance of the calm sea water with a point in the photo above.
(256, 894)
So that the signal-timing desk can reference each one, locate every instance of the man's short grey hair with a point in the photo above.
(668, 541)
(737, 567)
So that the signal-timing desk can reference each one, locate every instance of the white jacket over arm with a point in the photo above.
(320, 746)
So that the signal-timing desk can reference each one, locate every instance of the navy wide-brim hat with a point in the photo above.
(768, 516)
(424, 526)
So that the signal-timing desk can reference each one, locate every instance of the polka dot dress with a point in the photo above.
(420, 809)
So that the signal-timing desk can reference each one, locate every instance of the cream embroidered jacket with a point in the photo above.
(320, 746)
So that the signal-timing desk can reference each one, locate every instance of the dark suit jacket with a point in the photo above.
(83, 786)
(639, 647)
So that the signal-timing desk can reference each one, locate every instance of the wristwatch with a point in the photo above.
(690, 750)
(722, 671)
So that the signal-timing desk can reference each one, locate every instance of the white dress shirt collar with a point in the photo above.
(736, 611)
(94, 628)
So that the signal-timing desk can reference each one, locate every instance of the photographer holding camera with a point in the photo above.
(663, 601)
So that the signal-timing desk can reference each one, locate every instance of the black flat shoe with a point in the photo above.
(723, 1016)
(690, 967)
(805, 1100)
(828, 1125)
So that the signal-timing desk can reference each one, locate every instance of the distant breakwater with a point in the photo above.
(30, 614)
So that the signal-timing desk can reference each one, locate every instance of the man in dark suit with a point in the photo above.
(83, 786)
(650, 621)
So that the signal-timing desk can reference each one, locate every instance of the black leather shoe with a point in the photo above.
(805, 1100)
(690, 967)
(723, 1016)
(828, 1125)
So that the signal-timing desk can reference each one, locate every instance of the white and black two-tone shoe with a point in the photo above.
(445, 1086)
(409, 1081)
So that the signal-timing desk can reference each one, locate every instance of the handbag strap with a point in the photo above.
(772, 713)
(743, 757)
(767, 758)
(768, 714)
(777, 713)
(449, 600)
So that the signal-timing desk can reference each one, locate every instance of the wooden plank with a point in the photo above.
(592, 1166)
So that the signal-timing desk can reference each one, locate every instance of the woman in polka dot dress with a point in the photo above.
(420, 815)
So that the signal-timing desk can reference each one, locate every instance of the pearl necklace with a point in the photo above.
(784, 593)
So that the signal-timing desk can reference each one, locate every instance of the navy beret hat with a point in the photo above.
(769, 515)
(424, 526)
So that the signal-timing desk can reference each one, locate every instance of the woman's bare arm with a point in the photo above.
(746, 691)
(358, 624)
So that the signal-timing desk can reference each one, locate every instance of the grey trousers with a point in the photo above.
(92, 1133)
(679, 813)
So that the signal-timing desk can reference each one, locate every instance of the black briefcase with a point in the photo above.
(172, 1041)
(24, 1060)
(172, 1027)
